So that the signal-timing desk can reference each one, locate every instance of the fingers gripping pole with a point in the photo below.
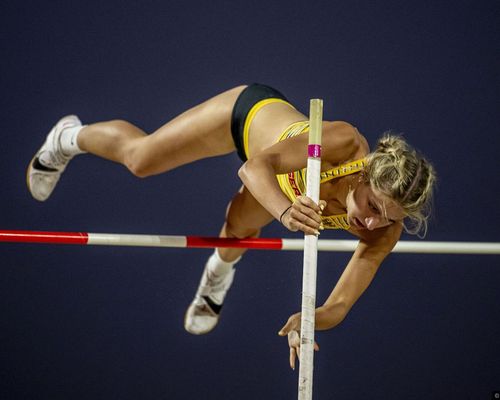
(310, 255)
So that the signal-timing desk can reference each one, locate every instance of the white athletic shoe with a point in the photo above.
(49, 162)
(203, 313)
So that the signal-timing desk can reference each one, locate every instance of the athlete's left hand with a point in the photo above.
(292, 330)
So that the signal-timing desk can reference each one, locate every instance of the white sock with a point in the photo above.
(218, 266)
(68, 141)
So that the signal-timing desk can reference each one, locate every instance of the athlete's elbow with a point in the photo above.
(242, 173)
(245, 172)
(259, 166)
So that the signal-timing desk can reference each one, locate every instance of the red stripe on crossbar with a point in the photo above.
(44, 237)
(198, 241)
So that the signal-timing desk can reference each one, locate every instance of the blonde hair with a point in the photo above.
(399, 172)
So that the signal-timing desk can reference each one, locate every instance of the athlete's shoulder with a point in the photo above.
(341, 140)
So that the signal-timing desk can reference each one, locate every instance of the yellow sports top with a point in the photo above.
(293, 184)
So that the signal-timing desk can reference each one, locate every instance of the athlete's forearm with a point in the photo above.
(328, 317)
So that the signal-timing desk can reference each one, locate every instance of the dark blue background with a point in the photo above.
(106, 322)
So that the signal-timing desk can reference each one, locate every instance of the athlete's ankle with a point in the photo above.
(218, 266)
(69, 141)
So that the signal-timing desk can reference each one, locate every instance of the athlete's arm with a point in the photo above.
(259, 173)
(373, 247)
(358, 274)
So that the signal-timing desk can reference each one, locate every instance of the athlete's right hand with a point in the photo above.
(304, 215)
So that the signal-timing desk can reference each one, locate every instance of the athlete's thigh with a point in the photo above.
(246, 213)
(202, 131)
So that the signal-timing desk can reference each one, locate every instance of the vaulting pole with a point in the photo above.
(310, 256)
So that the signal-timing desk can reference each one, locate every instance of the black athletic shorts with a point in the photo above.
(250, 96)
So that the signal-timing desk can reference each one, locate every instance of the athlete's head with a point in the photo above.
(403, 178)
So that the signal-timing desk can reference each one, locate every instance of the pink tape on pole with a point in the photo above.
(314, 150)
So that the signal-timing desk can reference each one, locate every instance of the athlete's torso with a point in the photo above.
(275, 120)
(294, 183)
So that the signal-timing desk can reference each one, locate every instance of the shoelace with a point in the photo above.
(55, 159)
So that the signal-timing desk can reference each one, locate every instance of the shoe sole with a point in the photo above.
(196, 333)
(28, 170)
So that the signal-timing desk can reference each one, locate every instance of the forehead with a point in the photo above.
(392, 209)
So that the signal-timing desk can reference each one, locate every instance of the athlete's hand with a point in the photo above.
(304, 215)
(292, 330)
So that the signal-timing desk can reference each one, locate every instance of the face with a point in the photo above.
(369, 209)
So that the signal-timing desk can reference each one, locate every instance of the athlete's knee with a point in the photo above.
(138, 160)
(240, 231)
(139, 166)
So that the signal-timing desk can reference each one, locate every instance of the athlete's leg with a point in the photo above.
(245, 218)
(201, 132)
